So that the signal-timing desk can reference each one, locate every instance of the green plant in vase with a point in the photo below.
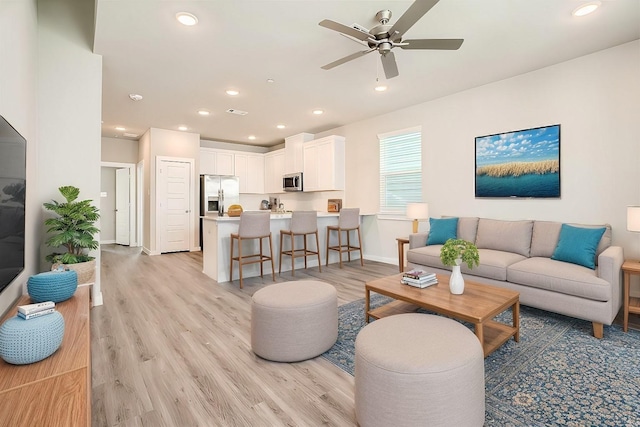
(72, 229)
(465, 251)
(453, 253)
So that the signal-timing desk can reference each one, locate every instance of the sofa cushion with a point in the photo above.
(493, 264)
(578, 245)
(507, 236)
(468, 228)
(441, 230)
(558, 276)
(545, 237)
(429, 256)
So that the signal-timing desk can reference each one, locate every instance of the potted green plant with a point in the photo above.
(73, 229)
(453, 253)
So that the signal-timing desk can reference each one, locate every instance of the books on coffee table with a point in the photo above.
(419, 278)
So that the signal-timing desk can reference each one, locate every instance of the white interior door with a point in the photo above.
(122, 207)
(174, 205)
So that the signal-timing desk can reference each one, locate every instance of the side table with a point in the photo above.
(631, 304)
(401, 242)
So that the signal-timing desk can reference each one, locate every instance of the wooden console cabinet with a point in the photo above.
(57, 390)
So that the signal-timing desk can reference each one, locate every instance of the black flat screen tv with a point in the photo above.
(523, 163)
(13, 174)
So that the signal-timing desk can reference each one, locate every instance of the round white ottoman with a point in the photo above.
(418, 370)
(294, 321)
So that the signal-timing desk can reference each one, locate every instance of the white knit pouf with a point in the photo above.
(416, 370)
(294, 321)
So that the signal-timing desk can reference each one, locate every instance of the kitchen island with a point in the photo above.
(216, 245)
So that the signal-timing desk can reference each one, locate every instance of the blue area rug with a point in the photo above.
(558, 374)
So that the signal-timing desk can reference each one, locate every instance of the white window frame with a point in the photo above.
(398, 211)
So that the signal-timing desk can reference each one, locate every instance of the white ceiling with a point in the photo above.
(240, 44)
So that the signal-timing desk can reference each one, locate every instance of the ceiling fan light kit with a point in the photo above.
(384, 37)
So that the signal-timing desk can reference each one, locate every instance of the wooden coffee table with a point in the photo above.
(479, 304)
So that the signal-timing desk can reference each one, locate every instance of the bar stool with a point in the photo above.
(303, 223)
(348, 221)
(253, 225)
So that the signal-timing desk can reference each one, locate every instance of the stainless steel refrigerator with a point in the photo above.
(217, 193)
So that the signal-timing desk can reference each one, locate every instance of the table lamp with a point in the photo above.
(417, 211)
(633, 218)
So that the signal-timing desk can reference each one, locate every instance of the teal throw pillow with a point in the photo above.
(441, 230)
(578, 245)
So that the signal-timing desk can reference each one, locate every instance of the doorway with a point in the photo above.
(118, 207)
(174, 178)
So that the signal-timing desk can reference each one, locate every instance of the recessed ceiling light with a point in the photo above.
(381, 88)
(232, 92)
(186, 19)
(586, 8)
(203, 112)
(270, 81)
(120, 128)
(251, 137)
(135, 97)
(182, 128)
(318, 112)
(281, 126)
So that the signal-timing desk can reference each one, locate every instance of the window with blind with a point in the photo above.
(400, 169)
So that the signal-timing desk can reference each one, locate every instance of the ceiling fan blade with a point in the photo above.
(346, 59)
(411, 16)
(389, 65)
(360, 42)
(439, 44)
(341, 28)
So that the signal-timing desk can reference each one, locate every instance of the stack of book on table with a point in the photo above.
(419, 278)
(31, 311)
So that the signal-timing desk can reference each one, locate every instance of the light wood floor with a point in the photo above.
(171, 347)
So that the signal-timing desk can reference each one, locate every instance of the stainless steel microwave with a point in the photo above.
(292, 182)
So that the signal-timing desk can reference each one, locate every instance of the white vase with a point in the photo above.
(456, 281)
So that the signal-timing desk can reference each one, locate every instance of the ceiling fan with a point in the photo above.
(385, 37)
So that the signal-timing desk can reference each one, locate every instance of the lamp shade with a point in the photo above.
(417, 210)
(633, 218)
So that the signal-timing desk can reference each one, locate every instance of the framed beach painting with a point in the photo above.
(523, 163)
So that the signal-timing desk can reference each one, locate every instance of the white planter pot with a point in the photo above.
(456, 281)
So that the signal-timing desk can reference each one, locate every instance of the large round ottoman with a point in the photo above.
(294, 321)
(418, 370)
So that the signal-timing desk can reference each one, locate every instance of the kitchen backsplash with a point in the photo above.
(293, 201)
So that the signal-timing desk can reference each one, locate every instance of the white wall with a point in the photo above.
(118, 150)
(596, 99)
(18, 50)
(69, 108)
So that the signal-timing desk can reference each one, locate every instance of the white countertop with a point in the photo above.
(274, 215)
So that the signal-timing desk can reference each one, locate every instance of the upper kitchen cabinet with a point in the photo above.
(216, 162)
(273, 171)
(249, 168)
(293, 152)
(324, 164)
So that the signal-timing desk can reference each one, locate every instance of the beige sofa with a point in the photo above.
(517, 255)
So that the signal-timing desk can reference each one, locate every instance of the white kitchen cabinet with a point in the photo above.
(324, 164)
(293, 152)
(273, 171)
(216, 162)
(249, 168)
